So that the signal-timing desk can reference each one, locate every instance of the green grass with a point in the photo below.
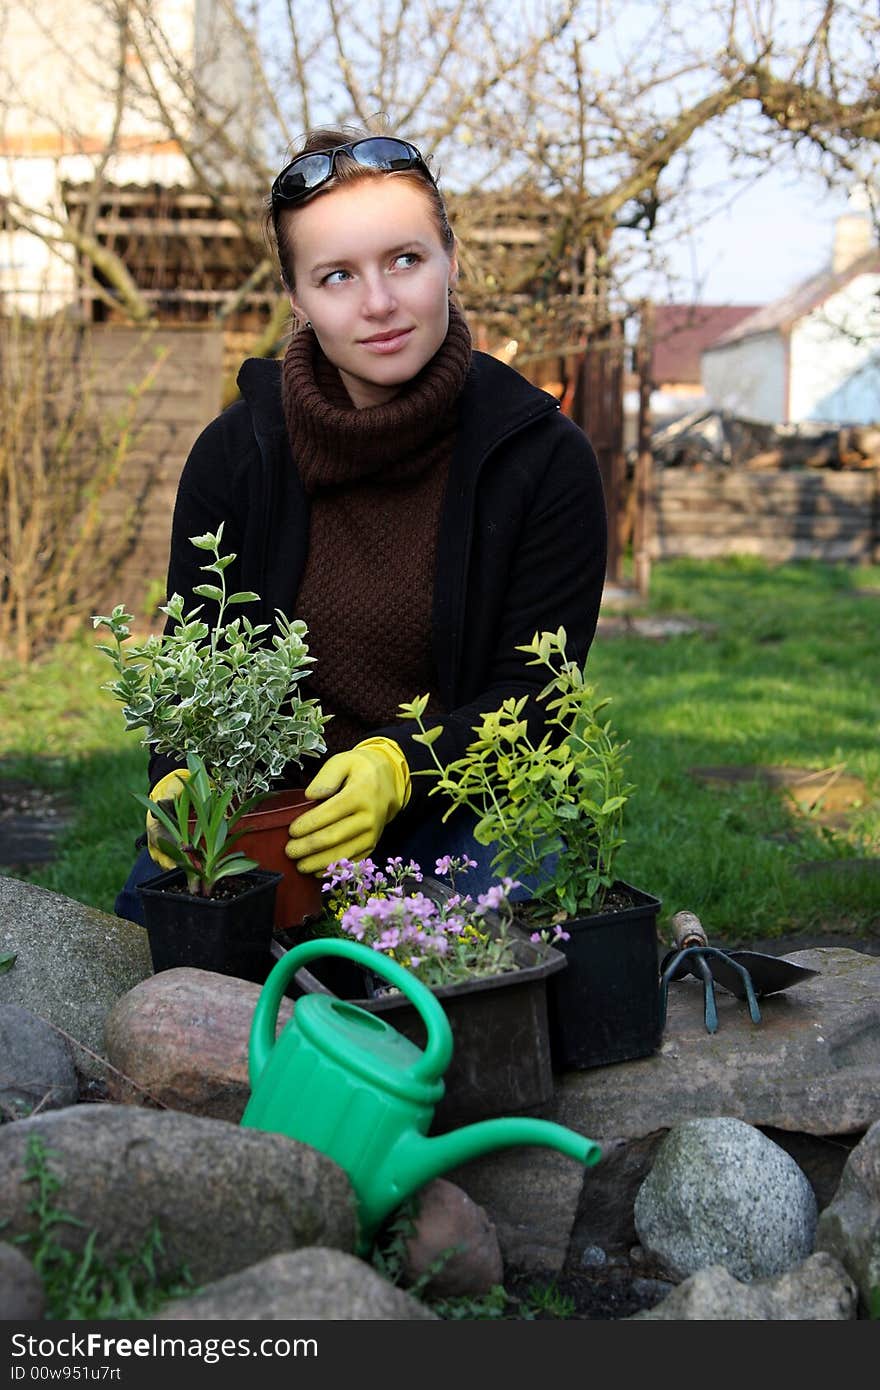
(789, 675)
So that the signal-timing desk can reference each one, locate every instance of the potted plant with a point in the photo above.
(229, 694)
(554, 806)
(490, 978)
(215, 910)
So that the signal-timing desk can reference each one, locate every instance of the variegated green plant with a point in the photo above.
(197, 830)
(229, 693)
(554, 808)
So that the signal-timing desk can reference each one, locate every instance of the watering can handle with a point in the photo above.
(432, 1063)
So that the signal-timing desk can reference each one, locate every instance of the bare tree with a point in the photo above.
(573, 136)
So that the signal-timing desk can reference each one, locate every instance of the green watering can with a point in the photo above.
(342, 1080)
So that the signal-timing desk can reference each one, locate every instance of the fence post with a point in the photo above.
(644, 474)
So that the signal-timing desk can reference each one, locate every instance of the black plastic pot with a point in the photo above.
(231, 936)
(606, 1006)
(501, 1062)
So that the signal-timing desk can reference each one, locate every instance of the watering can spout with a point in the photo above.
(423, 1159)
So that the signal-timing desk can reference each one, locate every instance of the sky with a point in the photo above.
(773, 235)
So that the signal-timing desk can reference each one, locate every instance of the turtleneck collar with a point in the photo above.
(336, 444)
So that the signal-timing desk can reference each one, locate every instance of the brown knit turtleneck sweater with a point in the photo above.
(375, 478)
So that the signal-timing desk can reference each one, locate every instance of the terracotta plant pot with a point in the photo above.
(264, 835)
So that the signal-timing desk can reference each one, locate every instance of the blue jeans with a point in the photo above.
(424, 842)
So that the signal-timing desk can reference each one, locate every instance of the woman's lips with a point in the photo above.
(387, 342)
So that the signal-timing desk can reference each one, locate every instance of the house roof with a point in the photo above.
(683, 331)
(782, 314)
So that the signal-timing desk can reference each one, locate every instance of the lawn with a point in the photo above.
(783, 671)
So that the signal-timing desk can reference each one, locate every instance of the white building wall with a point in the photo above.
(835, 358)
(59, 63)
(747, 378)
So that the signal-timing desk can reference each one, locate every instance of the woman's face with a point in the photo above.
(373, 278)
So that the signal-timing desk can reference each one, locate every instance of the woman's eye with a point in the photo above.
(336, 277)
(407, 258)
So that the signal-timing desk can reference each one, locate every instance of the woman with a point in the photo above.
(421, 506)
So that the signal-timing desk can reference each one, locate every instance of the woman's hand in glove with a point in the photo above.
(168, 788)
(360, 792)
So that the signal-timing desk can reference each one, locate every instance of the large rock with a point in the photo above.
(810, 1065)
(720, 1192)
(303, 1284)
(37, 1071)
(21, 1290)
(181, 1038)
(223, 1197)
(531, 1196)
(452, 1245)
(809, 1068)
(72, 963)
(850, 1227)
(819, 1290)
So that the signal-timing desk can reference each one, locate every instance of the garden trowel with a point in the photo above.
(747, 974)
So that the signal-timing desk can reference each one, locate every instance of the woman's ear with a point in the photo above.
(453, 269)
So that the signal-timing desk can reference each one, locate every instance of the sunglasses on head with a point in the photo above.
(309, 172)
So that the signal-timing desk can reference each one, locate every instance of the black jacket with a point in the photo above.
(521, 547)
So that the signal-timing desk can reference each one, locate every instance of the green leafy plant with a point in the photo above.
(84, 1284)
(226, 692)
(198, 825)
(555, 807)
(443, 942)
(550, 1300)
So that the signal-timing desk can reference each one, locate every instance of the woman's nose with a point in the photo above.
(378, 300)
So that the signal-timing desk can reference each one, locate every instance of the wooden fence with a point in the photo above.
(778, 516)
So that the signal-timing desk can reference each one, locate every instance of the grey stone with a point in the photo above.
(818, 1290)
(810, 1065)
(311, 1283)
(21, 1291)
(224, 1197)
(850, 1227)
(36, 1070)
(720, 1192)
(72, 964)
(451, 1229)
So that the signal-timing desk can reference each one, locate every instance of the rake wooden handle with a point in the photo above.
(687, 930)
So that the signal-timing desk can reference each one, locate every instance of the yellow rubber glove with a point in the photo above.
(166, 789)
(360, 791)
